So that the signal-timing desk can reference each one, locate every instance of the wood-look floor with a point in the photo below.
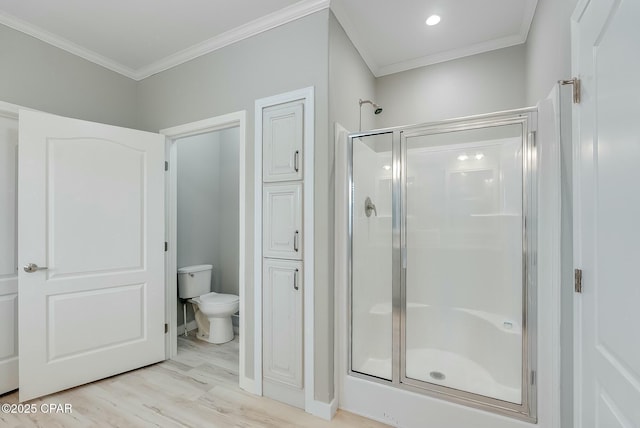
(199, 388)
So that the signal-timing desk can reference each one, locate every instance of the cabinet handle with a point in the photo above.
(295, 280)
(296, 155)
(295, 241)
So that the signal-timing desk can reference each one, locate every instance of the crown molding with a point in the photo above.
(265, 23)
(379, 70)
(64, 44)
(260, 25)
(358, 41)
(449, 55)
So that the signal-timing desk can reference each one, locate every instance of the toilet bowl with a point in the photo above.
(213, 316)
(212, 310)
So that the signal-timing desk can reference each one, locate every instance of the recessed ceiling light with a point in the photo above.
(463, 157)
(433, 20)
(386, 167)
(479, 156)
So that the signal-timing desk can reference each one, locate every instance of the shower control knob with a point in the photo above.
(32, 267)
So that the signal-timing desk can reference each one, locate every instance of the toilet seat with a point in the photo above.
(217, 298)
(215, 302)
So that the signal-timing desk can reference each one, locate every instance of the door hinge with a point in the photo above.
(166, 166)
(166, 246)
(533, 377)
(575, 82)
(166, 328)
(578, 280)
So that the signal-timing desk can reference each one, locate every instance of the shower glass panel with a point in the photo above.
(371, 249)
(463, 234)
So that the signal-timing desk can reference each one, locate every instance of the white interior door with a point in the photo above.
(606, 42)
(91, 216)
(8, 254)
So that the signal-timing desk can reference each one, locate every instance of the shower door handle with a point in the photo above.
(296, 157)
(295, 280)
(295, 241)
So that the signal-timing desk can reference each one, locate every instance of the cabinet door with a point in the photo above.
(8, 255)
(282, 135)
(282, 328)
(282, 229)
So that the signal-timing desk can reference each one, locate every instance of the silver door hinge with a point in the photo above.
(166, 328)
(166, 166)
(533, 377)
(575, 82)
(166, 246)
(578, 280)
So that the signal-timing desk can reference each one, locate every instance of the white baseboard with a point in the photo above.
(191, 325)
(323, 410)
(248, 385)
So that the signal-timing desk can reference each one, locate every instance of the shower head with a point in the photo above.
(376, 108)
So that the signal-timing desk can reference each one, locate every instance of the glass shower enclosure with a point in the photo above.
(442, 274)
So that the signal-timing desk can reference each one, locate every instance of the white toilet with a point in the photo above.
(213, 310)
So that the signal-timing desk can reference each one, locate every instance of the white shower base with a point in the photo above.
(460, 372)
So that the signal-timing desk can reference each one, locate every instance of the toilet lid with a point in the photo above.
(221, 299)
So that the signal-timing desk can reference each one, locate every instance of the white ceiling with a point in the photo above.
(143, 37)
(392, 36)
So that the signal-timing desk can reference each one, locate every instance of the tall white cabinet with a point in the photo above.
(282, 252)
(8, 249)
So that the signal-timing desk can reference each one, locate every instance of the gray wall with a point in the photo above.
(548, 48)
(482, 83)
(349, 81)
(548, 57)
(286, 58)
(198, 219)
(37, 75)
(229, 205)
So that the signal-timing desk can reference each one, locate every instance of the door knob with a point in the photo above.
(32, 267)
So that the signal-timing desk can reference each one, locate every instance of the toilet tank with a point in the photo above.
(194, 281)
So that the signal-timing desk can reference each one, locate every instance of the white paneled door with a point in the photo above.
(282, 213)
(283, 135)
(282, 331)
(8, 254)
(606, 43)
(91, 251)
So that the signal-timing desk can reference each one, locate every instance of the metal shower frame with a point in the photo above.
(527, 118)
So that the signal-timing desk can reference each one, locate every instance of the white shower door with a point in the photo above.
(91, 251)
(464, 265)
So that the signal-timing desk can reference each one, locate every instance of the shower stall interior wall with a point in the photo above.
(441, 250)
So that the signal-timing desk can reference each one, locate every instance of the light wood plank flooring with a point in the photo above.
(199, 388)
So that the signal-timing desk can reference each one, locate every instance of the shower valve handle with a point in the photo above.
(370, 206)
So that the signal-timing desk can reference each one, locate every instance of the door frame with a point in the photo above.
(10, 111)
(217, 123)
(307, 96)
